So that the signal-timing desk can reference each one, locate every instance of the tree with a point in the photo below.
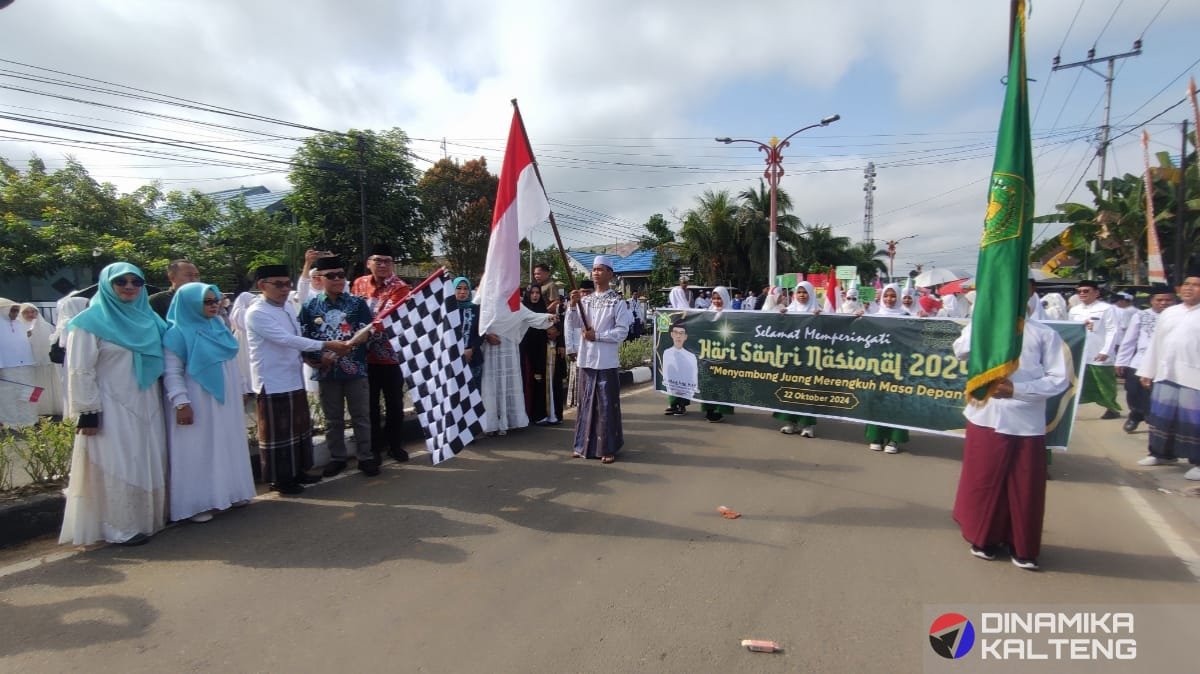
(456, 200)
(659, 232)
(865, 256)
(709, 235)
(821, 247)
(754, 238)
(331, 168)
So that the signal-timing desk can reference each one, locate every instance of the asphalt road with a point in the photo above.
(514, 557)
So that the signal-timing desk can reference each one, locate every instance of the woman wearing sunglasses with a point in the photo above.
(206, 433)
(117, 490)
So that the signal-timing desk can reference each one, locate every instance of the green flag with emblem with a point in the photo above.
(1002, 276)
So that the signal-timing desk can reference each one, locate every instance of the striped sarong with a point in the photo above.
(598, 431)
(1174, 421)
(284, 435)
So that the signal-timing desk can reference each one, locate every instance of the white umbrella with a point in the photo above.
(937, 276)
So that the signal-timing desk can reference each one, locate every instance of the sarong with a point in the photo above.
(1174, 421)
(598, 429)
(1100, 387)
(1002, 490)
(284, 435)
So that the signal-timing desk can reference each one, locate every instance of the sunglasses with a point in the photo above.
(134, 281)
(280, 284)
(211, 302)
(334, 275)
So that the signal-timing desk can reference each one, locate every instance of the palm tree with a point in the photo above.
(820, 247)
(865, 257)
(709, 235)
(755, 233)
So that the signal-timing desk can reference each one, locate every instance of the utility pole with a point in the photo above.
(1102, 151)
(1181, 252)
(869, 207)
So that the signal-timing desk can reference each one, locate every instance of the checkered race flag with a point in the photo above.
(425, 336)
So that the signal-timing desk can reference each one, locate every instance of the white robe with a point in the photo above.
(678, 298)
(45, 373)
(502, 387)
(210, 459)
(118, 476)
(17, 371)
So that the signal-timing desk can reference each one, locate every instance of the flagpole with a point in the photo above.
(553, 224)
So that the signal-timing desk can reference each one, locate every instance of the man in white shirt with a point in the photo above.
(1171, 369)
(680, 372)
(605, 322)
(284, 424)
(1099, 351)
(750, 302)
(1001, 497)
(679, 295)
(1136, 339)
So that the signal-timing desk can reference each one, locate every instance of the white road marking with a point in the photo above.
(1174, 542)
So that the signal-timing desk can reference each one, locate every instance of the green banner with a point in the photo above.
(898, 372)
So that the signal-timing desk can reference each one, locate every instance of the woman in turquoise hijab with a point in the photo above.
(206, 435)
(117, 490)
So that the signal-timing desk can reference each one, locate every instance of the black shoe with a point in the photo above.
(672, 410)
(333, 468)
(399, 455)
(136, 540)
(287, 488)
(1131, 425)
(987, 552)
(1110, 414)
(305, 478)
(715, 417)
(368, 467)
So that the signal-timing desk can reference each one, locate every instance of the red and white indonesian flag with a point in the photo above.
(521, 204)
(833, 294)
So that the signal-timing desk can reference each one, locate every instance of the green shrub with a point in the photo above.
(8, 441)
(45, 449)
(635, 353)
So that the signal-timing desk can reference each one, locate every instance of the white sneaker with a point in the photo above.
(876, 446)
(891, 448)
(1193, 473)
(1155, 461)
(788, 429)
(807, 432)
(202, 517)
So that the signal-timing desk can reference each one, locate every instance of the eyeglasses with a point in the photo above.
(211, 302)
(135, 281)
(380, 260)
(334, 275)
(280, 284)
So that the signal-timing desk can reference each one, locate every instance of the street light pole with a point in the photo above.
(891, 252)
(773, 174)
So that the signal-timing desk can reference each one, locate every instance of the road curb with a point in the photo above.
(31, 517)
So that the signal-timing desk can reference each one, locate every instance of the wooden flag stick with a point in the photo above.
(553, 224)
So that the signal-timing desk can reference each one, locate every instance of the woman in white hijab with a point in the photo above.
(45, 373)
(1056, 307)
(886, 438)
(719, 301)
(804, 301)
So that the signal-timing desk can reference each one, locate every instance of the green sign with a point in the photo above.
(788, 281)
(846, 272)
(899, 372)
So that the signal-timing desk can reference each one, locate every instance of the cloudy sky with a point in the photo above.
(622, 99)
